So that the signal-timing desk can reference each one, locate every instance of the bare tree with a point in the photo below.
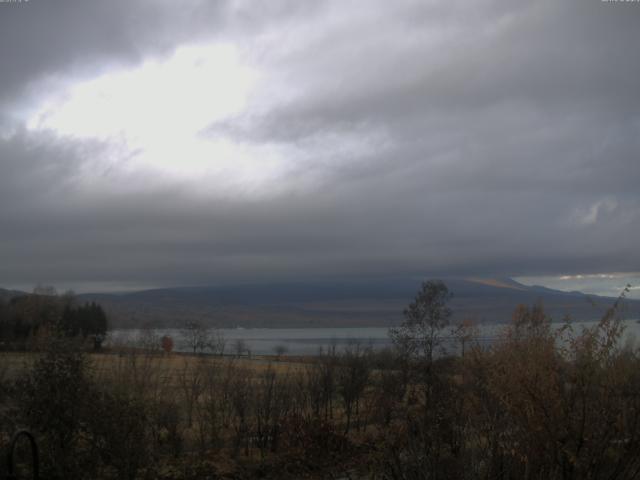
(280, 350)
(421, 332)
(352, 379)
(148, 340)
(242, 403)
(464, 332)
(190, 381)
(196, 336)
(321, 383)
(240, 347)
(217, 342)
(273, 403)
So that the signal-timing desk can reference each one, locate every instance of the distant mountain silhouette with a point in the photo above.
(339, 304)
(8, 294)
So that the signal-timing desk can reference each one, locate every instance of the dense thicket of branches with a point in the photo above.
(543, 402)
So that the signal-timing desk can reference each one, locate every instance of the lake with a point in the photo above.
(308, 341)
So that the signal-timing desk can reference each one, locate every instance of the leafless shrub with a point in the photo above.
(191, 383)
(352, 379)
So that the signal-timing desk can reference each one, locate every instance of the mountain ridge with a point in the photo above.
(338, 304)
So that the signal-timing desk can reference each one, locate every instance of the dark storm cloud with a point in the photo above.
(427, 139)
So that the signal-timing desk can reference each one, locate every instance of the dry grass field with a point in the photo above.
(14, 364)
(531, 403)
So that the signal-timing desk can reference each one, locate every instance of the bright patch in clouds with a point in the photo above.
(607, 284)
(597, 211)
(159, 110)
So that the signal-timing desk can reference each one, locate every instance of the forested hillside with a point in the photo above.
(338, 304)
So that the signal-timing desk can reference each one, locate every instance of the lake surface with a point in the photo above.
(309, 341)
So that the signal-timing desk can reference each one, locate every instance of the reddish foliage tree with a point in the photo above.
(167, 343)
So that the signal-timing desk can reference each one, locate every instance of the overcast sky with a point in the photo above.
(153, 143)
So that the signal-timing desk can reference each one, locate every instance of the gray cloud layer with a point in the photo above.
(446, 138)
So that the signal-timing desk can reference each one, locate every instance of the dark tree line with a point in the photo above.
(84, 320)
(28, 317)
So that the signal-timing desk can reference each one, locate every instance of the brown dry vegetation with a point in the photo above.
(541, 403)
